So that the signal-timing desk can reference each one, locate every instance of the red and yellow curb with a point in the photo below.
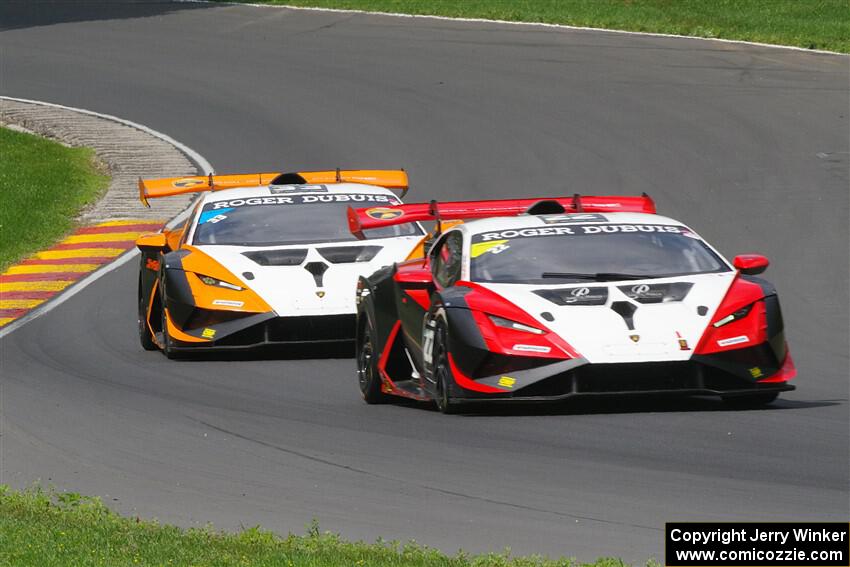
(35, 280)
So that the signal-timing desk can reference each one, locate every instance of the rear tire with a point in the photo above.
(751, 401)
(368, 376)
(145, 338)
(443, 372)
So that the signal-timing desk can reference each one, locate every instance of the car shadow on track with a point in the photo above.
(293, 352)
(615, 405)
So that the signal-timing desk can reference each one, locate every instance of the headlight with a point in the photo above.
(218, 283)
(508, 324)
(739, 314)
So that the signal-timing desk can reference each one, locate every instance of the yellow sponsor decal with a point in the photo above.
(507, 382)
(756, 372)
(384, 213)
(492, 246)
(189, 182)
(208, 333)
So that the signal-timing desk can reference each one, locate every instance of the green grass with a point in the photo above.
(812, 24)
(43, 187)
(42, 529)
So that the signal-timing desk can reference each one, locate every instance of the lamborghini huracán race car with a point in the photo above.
(546, 299)
(264, 259)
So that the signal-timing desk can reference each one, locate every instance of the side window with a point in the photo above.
(447, 259)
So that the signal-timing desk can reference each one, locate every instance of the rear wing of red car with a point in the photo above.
(155, 188)
(377, 217)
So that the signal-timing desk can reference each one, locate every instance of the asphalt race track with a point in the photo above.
(747, 144)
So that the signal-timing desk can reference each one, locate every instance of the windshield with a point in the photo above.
(594, 252)
(291, 219)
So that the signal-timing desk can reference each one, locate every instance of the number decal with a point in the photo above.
(428, 342)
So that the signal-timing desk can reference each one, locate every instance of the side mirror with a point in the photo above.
(751, 264)
(151, 242)
(414, 276)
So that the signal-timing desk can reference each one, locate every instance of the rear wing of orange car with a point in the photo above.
(377, 217)
(395, 179)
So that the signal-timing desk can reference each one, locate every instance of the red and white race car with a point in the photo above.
(552, 298)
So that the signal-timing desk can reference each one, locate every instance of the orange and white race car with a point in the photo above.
(265, 258)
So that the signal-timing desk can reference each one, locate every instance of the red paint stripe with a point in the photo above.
(47, 277)
(122, 228)
(126, 244)
(57, 261)
(13, 313)
(27, 294)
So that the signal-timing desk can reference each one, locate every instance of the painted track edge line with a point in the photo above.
(78, 286)
(512, 23)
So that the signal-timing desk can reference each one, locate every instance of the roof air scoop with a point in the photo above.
(288, 179)
(546, 207)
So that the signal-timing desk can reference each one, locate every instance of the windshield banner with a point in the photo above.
(304, 200)
(579, 230)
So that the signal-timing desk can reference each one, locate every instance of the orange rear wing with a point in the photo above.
(170, 186)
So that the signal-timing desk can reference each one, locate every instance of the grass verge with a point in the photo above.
(42, 529)
(812, 24)
(43, 187)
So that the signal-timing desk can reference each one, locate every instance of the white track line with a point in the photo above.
(200, 161)
(511, 23)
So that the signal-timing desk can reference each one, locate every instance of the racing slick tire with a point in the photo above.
(368, 376)
(145, 337)
(443, 375)
(751, 401)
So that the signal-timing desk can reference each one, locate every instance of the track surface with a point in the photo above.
(748, 144)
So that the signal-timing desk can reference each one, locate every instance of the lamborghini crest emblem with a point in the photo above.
(321, 294)
(635, 338)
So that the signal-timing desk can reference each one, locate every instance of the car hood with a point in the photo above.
(639, 320)
(313, 286)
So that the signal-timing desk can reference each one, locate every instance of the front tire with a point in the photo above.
(368, 375)
(145, 337)
(167, 343)
(751, 401)
(443, 375)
